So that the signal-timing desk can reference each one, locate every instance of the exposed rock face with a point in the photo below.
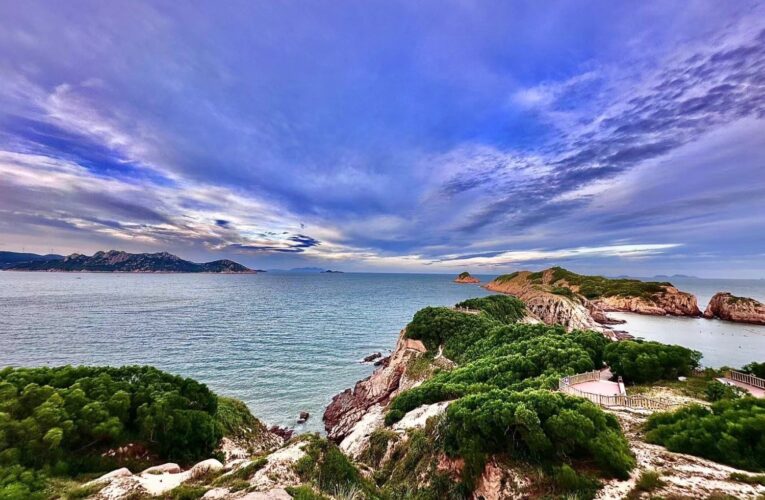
(557, 296)
(348, 407)
(466, 278)
(672, 301)
(571, 312)
(726, 306)
(499, 482)
(123, 262)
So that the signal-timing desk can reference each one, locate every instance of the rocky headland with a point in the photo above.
(729, 307)
(115, 261)
(576, 301)
(466, 278)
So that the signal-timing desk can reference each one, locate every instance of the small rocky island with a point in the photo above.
(466, 278)
(727, 306)
(115, 261)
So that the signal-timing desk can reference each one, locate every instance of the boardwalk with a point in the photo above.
(753, 385)
(596, 387)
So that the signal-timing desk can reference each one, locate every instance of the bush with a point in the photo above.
(641, 362)
(756, 369)
(435, 326)
(537, 425)
(513, 357)
(729, 432)
(63, 418)
(502, 308)
(716, 391)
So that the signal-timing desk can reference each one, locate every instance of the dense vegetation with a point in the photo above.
(756, 369)
(638, 361)
(59, 420)
(501, 387)
(731, 431)
(593, 287)
(502, 308)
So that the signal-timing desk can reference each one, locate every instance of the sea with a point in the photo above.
(281, 342)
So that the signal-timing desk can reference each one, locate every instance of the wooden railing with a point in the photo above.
(638, 401)
(578, 379)
(746, 378)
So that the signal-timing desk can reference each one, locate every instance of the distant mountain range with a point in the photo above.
(9, 259)
(116, 262)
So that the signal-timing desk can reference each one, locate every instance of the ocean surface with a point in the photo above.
(721, 342)
(281, 342)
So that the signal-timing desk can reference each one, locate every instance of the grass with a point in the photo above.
(748, 478)
(304, 493)
(648, 482)
(693, 387)
(186, 492)
(593, 287)
(242, 474)
(420, 367)
(83, 491)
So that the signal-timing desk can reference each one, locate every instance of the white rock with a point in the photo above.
(278, 472)
(164, 468)
(274, 494)
(420, 415)
(216, 493)
(205, 466)
(108, 477)
(355, 442)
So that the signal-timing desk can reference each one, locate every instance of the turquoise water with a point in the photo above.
(283, 343)
(280, 342)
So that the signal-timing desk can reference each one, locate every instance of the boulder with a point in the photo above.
(303, 417)
(206, 466)
(163, 469)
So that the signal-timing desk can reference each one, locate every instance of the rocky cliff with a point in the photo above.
(466, 278)
(123, 262)
(548, 305)
(580, 301)
(348, 407)
(669, 301)
(726, 306)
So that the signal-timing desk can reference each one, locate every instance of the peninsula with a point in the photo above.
(115, 261)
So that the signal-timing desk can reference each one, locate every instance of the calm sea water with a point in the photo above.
(281, 342)
(722, 343)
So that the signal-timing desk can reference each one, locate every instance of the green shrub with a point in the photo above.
(756, 369)
(649, 481)
(594, 287)
(641, 362)
(62, 419)
(729, 432)
(537, 425)
(20, 483)
(186, 492)
(747, 478)
(329, 469)
(435, 326)
(304, 493)
(716, 391)
(502, 308)
(513, 357)
(567, 480)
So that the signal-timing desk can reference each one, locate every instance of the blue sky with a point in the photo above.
(611, 137)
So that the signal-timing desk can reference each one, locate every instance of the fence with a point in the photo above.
(578, 379)
(746, 378)
(642, 402)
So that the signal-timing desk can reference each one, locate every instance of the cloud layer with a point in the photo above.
(389, 136)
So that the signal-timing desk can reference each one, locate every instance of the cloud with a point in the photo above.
(415, 138)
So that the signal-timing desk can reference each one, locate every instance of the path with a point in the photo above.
(754, 391)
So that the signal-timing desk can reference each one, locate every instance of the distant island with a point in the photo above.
(466, 278)
(115, 261)
(332, 272)
(10, 259)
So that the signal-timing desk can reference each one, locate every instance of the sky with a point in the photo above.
(606, 137)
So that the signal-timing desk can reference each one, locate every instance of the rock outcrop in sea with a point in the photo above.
(466, 278)
(727, 306)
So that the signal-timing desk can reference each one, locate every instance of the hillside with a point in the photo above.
(599, 294)
(123, 262)
(10, 259)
